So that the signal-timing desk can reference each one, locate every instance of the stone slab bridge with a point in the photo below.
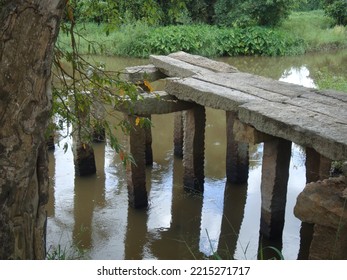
(257, 110)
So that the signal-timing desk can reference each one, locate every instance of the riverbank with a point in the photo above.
(302, 32)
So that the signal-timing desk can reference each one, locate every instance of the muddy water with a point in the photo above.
(92, 213)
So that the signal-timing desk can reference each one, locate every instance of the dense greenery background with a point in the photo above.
(138, 28)
(221, 12)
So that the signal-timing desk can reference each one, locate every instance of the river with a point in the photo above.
(92, 213)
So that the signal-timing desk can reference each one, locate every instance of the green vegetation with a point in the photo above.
(65, 253)
(337, 9)
(159, 12)
(301, 32)
(253, 12)
(326, 80)
(316, 29)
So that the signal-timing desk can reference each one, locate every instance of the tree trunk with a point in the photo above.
(28, 30)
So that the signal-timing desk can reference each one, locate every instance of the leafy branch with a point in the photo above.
(85, 94)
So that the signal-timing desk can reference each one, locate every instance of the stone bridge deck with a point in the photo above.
(309, 117)
(257, 109)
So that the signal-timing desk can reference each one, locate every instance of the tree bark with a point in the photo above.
(28, 30)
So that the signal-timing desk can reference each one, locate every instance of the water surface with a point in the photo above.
(92, 213)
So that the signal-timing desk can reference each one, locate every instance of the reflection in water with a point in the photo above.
(89, 193)
(233, 214)
(92, 213)
(298, 76)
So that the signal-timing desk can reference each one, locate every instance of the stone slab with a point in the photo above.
(240, 83)
(304, 127)
(338, 95)
(176, 68)
(207, 94)
(137, 74)
(204, 62)
(321, 97)
(339, 113)
(158, 102)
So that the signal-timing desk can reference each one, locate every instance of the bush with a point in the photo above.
(271, 12)
(309, 5)
(253, 12)
(209, 41)
(255, 41)
(301, 32)
(337, 9)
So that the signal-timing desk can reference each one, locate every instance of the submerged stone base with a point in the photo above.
(84, 160)
(324, 204)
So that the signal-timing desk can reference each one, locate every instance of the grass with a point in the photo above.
(301, 32)
(60, 252)
(316, 29)
(326, 80)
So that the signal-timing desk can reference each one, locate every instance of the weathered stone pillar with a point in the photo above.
(178, 134)
(136, 171)
(194, 148)
(148, 152)
(82, 149)
(83, 153)
(275, 173)
(98, 115)
(237, 160)
(317, 166)
(323, 204)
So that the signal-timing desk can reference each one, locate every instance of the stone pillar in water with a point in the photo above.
(84, 159)
(82, 149)
(148, 152)
(98, 113)
(237, 160)
(275, 173)
(136, 171)
(83, 152)
(317, 166)
(178, 134)
(194, 148)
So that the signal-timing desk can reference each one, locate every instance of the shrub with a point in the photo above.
(337, 9)
(213, 41)
(253, 12)
(255, 41)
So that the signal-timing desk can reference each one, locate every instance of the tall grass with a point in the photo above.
(326, 80)
(316, 29)
(302, 32)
